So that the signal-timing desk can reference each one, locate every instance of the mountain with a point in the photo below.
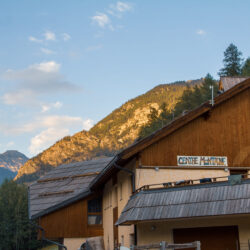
(6, 174)
(115, 132)
(12, 160)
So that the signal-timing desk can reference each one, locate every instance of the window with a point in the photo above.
(95, 211)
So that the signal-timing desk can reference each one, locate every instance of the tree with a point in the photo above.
(205, 89)
(156, 120)
(232, 62)
(245, 71)
(15, 230)
(191, 98)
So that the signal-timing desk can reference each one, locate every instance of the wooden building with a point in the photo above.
(64, 206)
(188, 181)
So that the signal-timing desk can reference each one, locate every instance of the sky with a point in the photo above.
(65, 65)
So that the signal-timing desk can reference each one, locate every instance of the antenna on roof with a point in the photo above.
(212, 95)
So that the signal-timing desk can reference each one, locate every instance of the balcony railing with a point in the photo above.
(233, 179)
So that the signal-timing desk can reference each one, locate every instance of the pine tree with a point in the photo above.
(245, 71)
(206, 93)
(191, 98)
(15, 230)
(232, 62)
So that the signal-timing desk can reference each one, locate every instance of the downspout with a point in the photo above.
(128, 171)
(133, 190)
(44, 238)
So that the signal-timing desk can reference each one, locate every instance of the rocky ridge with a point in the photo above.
(12, 160)
(115, 132)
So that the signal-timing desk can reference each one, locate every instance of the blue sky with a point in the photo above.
(65, 65)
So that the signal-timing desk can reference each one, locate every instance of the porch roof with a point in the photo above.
(213, 199)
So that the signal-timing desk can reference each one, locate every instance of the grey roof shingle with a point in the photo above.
(182, 202)
(61, 186)
(228, 81)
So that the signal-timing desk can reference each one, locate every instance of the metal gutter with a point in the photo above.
(128, 171)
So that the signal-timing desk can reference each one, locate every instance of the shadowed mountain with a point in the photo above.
(6, 174)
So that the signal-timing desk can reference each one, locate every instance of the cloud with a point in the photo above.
(9, 144)
(37, 79)
(122, 6)
(201, 32)
(47, 67)
(48, 121)
(56, 127)
(66, 37)
(101, 19)
(47, 107)
(48, 51)
(117, 10)
(94, 47)
(88, 124)
(45, 139)
(34, 39)
(49, 36)
(23, 96)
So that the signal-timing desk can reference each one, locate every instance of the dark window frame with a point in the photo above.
(96, 213)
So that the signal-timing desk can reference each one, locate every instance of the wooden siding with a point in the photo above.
(225, 131)
(70, 222)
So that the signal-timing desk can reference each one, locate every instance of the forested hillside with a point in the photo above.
(114, 132)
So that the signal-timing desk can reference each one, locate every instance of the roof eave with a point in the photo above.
(133, 222)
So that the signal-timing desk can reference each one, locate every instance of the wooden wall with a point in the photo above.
(70, 222)
(226, 132)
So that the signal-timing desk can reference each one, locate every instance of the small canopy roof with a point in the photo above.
(213, 199)
(63, 185)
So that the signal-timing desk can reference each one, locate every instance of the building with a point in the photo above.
(64, 206)
(184, 182)
(187, 181)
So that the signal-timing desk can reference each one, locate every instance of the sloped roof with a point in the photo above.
(126, 154)
(63, 185)
(185, 202)
(227, 82)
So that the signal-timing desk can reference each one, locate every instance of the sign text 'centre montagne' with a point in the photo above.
(206, 161)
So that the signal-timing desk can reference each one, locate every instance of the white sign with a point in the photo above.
(205, 161)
